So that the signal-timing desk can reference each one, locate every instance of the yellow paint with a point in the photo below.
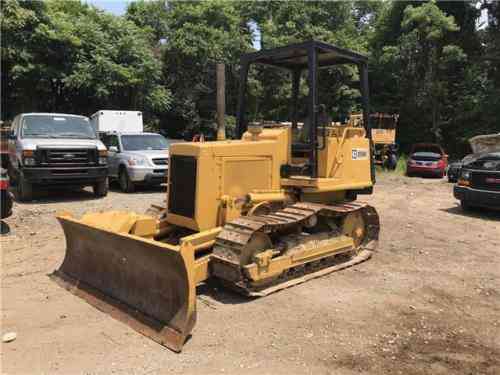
(266, 267)
(232, 172)
(384, 136)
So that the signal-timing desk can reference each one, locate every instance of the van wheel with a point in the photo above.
(101, 188)
(126, 184)
(24, 190)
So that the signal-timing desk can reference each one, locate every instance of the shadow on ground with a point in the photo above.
(475, 212)
(215, 291)
(139, 189)
(59, 194)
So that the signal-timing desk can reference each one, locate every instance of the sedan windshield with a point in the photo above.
(139, 142)
(57, 126)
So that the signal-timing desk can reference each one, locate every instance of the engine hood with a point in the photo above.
(149, 153)
(483, 144)
(33, 143)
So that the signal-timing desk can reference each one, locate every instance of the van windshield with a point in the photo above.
(139, 142)
(57, 126)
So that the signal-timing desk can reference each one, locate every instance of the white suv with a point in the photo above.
(137, 158)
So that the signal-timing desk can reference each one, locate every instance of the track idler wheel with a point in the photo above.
(354, 226)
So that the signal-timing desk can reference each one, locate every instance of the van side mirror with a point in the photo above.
(113, 149)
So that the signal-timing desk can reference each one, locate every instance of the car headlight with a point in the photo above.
(103, 160)
(29, 161)
(137, 161)
(465, 175)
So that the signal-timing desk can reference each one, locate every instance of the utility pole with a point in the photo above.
(221, 102)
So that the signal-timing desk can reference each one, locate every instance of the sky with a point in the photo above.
(117, 7)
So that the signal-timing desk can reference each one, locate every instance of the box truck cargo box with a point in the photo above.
(117, 121)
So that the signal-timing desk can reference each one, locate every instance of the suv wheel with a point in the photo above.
(101, 188)
(24, 190)
(126, 184)
(465, 205)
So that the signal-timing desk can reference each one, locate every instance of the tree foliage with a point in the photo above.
(201, 34)
(69, 57)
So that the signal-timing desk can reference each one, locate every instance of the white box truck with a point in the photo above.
(105, 121)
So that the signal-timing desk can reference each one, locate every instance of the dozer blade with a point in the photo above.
(147, 284)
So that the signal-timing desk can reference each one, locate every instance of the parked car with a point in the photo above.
(55, 149)
(479, 181)
(137, 158)
(5, 196)
(427, 159)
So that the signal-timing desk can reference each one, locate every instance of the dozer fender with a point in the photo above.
(147, 284)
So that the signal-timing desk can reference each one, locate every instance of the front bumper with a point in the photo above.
(425, 171)
(6, 202)
(65, 176)
(148, 175)
(475, 197)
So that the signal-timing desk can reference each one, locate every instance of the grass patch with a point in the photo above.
(401, 165)
(400, 169)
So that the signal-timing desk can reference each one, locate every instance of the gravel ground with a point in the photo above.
(427, 302)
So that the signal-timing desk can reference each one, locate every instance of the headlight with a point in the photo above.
(103, 160)
(465, 175)
(29, 161)
(136, 161)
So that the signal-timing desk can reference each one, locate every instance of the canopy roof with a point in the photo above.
(294, 56)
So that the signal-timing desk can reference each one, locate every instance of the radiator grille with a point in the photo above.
(480, 180)
(69, 156)
(182, 185)
(160, 161)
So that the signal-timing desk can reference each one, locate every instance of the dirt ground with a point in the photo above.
(428, 302)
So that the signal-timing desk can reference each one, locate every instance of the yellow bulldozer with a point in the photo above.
(383, 127)
(260, 213)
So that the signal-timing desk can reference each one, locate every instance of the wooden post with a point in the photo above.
(221, 102)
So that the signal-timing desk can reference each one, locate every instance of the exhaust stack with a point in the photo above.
(221, 102)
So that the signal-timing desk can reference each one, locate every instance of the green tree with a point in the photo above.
(70, 57)
(150, 16)
(18, 63)
(424, 49)
(200, 34)
(419, 69)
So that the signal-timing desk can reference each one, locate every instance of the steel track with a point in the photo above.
(236, 235)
